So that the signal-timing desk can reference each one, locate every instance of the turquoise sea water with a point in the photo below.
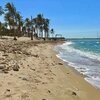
(84, 56)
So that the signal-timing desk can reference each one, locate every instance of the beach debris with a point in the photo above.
(60, 63)
(26, 53)
(43, 99)
(53, 64)
(35, 45)
(5, 55)
(2, 58)
(35, 55)
(8, 90)
(74, 93)
(33, 69)
(37, 81)
(2, 66)
(44, 83)
(25, 96)
(7, 93)
(19, 52)
(25, 79)
(49, 91)
(6, 72)
(3, 62)
(16, 67)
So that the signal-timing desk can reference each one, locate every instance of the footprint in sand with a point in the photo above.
(25, 96)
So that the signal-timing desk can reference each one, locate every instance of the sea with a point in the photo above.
(84, 56)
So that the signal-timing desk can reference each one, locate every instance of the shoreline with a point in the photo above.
(41, 75)
(80, 77)
(74, 68)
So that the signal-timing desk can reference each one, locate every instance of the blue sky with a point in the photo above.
(72, 18)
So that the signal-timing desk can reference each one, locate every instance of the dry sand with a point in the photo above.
(31, 71)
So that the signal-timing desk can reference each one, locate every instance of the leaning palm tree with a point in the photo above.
(8, 20)
(11, 17)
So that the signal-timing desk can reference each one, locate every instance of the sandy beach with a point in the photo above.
(30, 70)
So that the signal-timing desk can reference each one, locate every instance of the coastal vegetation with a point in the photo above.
(14, 24)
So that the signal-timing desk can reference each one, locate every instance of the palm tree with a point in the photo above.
(8, 20)
(5, 28)
(19, 22)
(52, 32)
(39, 21)
(28, 25)
(35, 27)
(46, 28)
(10, 16)
(2, 29)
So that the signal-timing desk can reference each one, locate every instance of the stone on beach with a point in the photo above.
(2, 66)
(60, 63)
(16, 67)
(36, 55)
(5, 55)
(74, 93)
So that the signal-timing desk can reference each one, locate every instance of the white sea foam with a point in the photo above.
(66, 46)
(97, 42)
(94, 82)
(86, 63)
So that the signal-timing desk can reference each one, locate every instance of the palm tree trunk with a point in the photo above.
(32, 35)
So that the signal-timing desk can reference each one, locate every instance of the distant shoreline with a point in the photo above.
(81, 38)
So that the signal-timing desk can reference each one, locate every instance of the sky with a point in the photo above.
(71, 18)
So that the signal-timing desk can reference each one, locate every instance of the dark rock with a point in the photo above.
(19, 52)
(16, 67)
(3, 50)
(32, 69)
(60, 63)
(74, 93)
(8, 95)
(8, 90)
(35, 55)
(15, 38)
(44, 82)
(2, 66)
(25, 79)
(6, 72)
(35, 45)
(53, 64)
(37, 81)
(49, 91)
(3, 62)
(5, 55)
(2, 58)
